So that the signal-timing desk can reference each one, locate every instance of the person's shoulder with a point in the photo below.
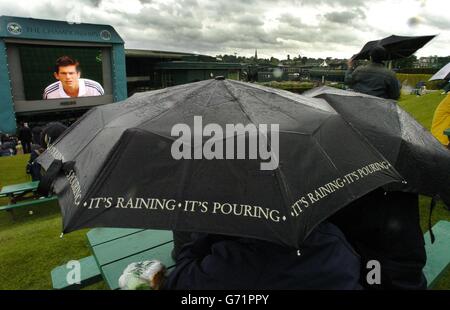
(90, 81)
(391, 73)
(93, 84)
(381, 69)
(362, 68)
(445, 103)
(51, 89)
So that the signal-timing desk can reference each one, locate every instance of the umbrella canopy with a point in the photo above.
(116, 166)
(414, 152)
(443, 74)
(51, 132)
(396, 46)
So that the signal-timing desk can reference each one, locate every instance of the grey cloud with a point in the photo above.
(341, 17)
(440, 22)
(247, 19)
(94, 3)
(342, 3)
(223, 25)
(289, 19)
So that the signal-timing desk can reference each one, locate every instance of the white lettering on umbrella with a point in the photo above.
(74, 186)
(217, 208)
(188, 206)
(333, 186)
(55, 153)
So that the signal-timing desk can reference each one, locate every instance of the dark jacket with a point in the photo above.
(385, 227)
(25, 135)
(326, 261)
(36, 131)
(33, 168)
(374, 79)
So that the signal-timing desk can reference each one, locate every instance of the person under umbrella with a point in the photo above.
(36, 130)
(25, 136)
(441, 121)
(373, 79)
(51, 132)
(325, 260)
(384, 225)
(47, 134)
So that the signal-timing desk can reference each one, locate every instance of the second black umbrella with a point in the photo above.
(396, 46)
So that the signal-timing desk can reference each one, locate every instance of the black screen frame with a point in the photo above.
(23, 106)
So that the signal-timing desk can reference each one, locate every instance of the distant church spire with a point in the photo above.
(256, 54)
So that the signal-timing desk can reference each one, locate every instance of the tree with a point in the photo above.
(404, 63)
(274, 61)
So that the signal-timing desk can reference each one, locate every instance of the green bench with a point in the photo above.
(438, 253)
(90, 274)
(28, 203)
(128, 246)
(17, 192)
(18, 195)
(114, 249)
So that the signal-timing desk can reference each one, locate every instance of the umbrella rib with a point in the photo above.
(100, 178)
(284, 188)
(174, 106)
(286, 95)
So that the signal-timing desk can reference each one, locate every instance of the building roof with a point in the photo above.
(155, 54)
(199, 65)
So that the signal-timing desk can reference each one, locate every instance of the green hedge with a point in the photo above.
(418, 70)
(296, 87)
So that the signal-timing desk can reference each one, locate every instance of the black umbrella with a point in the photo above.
(116, 166)
(396, 46)
(414, 152)
(51, 132)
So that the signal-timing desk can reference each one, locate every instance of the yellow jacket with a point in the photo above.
(441, 120)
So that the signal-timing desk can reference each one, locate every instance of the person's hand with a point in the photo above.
(143, 276)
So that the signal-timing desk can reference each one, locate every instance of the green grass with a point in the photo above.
(422, 108)
(31, 245)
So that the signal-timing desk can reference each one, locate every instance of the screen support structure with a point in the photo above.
(7, 116)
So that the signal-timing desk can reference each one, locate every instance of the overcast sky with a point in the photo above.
(312, 28)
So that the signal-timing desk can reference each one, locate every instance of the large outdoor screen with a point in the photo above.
(40, 81)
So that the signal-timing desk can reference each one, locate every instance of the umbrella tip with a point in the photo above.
(219, 78)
